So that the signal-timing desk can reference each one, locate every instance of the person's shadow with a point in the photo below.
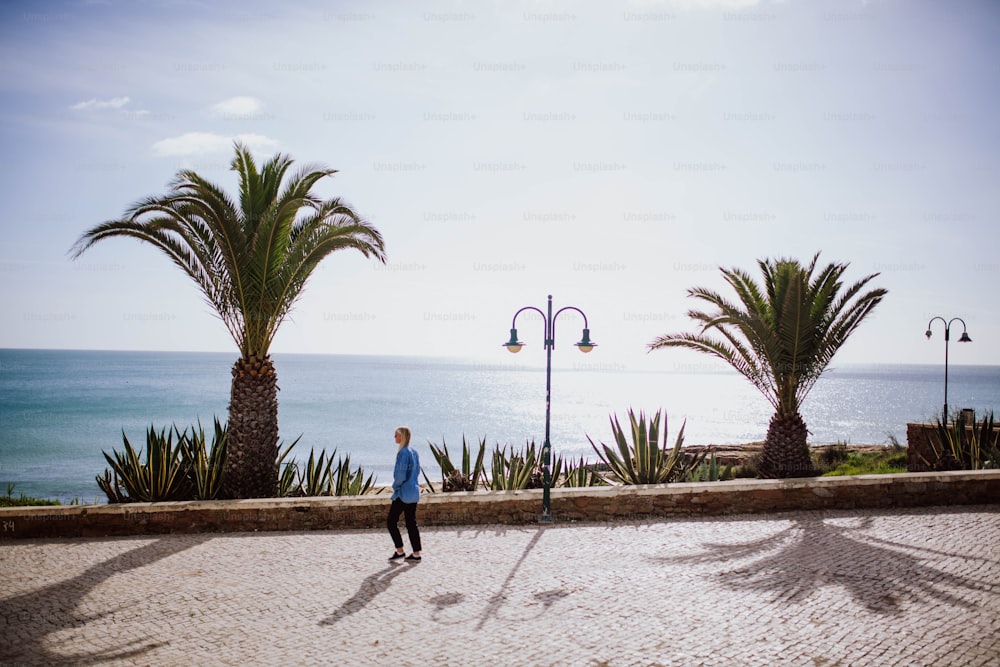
(375, 583)
(812, 553)
(32, 617)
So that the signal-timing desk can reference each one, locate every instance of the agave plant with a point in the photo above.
(287, 470)
(320, 476)
(644, 461)
(453, 478)
(348, 482)
(108, 482)
(206, 466)
(515, 471)
(314, 478)
(163, 475)
(521, 469)
(581, 474)
(710, 470)
(956, 447)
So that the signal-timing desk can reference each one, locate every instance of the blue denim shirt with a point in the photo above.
(406, 476)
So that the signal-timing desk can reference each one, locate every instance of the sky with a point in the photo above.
(613, 154)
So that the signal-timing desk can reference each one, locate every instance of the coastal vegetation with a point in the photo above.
(838, 460)
(465, 476)
(780, 335)
(250, 258)
(964, 446)
(176, 465)
(21, 500)
(643, 460)
(321, 476)
(181, 465)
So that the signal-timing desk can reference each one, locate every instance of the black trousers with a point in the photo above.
(409, 511)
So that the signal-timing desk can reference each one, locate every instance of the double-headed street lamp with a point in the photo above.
(514, 346)
(964, 338)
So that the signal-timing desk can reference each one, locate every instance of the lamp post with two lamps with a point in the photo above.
(514, 346)
(964, 338)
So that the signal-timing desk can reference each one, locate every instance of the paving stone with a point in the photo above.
(865, 587)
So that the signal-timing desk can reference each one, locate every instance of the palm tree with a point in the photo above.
(781, 337)
(251, 260)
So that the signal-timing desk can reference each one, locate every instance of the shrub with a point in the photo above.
(455, 478)
(956, 447)
(183, 470)
(321, 477)
(644, 461)
(710, 470)
(521, 469)
(22, 500)
(581, 474)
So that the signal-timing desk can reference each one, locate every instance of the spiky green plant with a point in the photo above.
(346, 481)
(287, 471)
(644, 460)
(581, 473)
(710, 470)
(464, 478)
(781, 336)
(163, 475)
(251, 260)
(314, 477)
(108, 483)
(519, 469)
(206, 465)
(955, 446)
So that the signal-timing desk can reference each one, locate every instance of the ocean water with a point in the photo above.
(60, 409)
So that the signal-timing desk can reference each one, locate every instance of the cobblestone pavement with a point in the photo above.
(886, 587)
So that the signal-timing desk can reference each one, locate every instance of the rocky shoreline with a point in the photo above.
(742, 454)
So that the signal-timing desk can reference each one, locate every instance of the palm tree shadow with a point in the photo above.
(371, 587)
(812, 554)
(32, 617)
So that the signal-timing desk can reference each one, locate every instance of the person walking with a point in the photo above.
(405, 496)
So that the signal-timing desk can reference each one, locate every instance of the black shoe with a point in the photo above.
(396, 555)
(413, 559)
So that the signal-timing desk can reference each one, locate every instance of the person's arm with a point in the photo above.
(400, 471)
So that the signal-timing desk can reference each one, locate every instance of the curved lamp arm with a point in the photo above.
(514, 345)
(585, 345)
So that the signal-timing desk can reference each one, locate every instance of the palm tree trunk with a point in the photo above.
(786, 452)
(252, 454)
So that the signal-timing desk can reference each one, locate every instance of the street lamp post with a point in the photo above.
(514, 346)
(964, 338)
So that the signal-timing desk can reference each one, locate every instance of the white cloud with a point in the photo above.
(237, 105)
(202, 143)
(94, 103)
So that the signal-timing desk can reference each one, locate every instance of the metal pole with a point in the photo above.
(944, 414)
(547, 446)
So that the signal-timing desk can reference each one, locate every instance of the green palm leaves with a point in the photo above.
(250, 259)
(781, 334)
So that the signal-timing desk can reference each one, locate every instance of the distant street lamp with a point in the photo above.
(964, 338)
(514, 346)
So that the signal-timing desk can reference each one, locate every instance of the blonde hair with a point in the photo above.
(405, 433)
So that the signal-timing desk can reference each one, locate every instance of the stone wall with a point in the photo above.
(507, 507)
